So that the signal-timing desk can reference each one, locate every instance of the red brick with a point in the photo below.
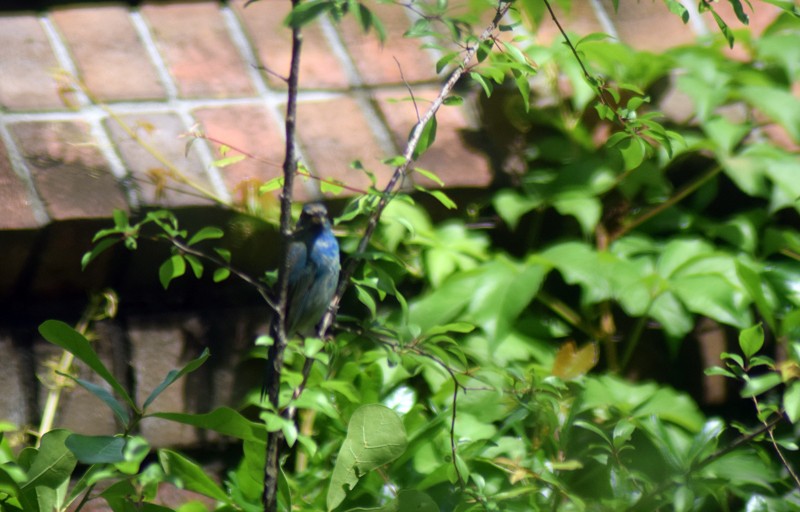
(580, 19)
(253, 131)
(12, 400)
(650, 26)
(27, 61)
(333, 134)
(15, 202)
(162, 133)
(109, 55)
(759, 18)
(198, 49)
(70, 174)
(449, 157)
(319, 67)
(375, 61)
(156, 349)
(78, 409)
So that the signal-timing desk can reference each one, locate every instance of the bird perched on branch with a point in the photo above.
(312, 259)
(313, 265)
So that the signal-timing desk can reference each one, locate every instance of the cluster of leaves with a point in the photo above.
(453, 381)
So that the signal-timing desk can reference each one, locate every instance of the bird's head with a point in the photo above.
(314, 214)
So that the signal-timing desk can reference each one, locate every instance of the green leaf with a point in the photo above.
(761, 384)
(409, 500)
(228, 160)
(443, 198)
(207, 233)
(51, 467)
(104, 395)
(739, 11)
(72, 341)
(712, 295)
(96, 449)
(221, 274)
(331, 186)
(224, 420)
(430, 175)
(754, 286)
(751, 340)
(135, 450)
(791, 401)
(173, 268)
(120, 219)
(777, 103)
(271, 185)
(426, 139)
(675, 7)
(633, 152)
(190, 475)
(365, 298)
(174, 375)
(375, 437)
(723, 27)
(196, 264)
(487, 86)
(98, 249)
(306, 12)
(511, 206)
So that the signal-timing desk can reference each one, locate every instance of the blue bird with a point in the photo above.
(313, 274)
(313, 265)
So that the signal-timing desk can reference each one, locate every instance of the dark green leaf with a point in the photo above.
(190, 475)
(96, 449)
(224, 420)
(174, 375)
(306, 12)
(426, 139)
(98, 249)
(69, 339)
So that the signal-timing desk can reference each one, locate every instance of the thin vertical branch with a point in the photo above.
(275, 354)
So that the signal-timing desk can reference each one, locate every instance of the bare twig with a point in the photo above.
(672, 201)
(777, 448)
(408, 87)
(263, 289)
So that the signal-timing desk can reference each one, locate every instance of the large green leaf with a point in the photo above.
(69, 339)
(224, 420)
(190, 475)
(375, 437)
(96, 449)
(50, 469)
(491, 296)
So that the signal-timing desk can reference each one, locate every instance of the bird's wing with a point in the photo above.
(301, 279)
